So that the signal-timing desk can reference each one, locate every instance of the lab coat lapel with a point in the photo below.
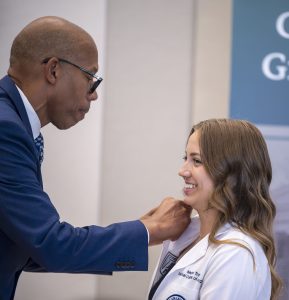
(194, 254)
(198, 251)
(177, 246)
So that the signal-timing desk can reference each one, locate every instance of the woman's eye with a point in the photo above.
(185, 158)
(197, 161)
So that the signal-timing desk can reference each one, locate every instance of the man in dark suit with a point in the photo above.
(51, 79)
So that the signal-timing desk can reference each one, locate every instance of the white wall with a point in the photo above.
(211, 78)
(71, 168)
(147, 116)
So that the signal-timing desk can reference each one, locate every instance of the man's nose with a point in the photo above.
(93, 96)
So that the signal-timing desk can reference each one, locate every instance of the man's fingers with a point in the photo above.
(167, 221)
(150, 213)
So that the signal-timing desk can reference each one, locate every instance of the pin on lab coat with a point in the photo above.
(210, 272)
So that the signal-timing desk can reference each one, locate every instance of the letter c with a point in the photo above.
(280, 25)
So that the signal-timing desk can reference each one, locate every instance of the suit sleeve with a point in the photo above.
(29, 219)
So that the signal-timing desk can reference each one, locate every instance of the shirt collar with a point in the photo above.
(32, 115)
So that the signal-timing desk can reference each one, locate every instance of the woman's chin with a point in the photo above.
(189, 202)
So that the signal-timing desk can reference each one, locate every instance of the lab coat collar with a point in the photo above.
(199, 250)
(187, 237)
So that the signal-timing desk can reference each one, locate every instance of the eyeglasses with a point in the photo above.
(94, 84)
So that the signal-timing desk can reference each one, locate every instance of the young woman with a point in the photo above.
(228, 250)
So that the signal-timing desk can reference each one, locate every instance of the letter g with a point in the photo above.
(281, 70)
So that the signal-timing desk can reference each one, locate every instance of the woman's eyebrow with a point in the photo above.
(192, 154)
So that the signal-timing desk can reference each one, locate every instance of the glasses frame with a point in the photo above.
(95, 83)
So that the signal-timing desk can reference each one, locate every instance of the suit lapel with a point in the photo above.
(9, 87)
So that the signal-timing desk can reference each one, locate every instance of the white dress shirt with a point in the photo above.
(32, 115)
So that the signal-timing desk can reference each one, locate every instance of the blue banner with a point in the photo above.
(260, 54)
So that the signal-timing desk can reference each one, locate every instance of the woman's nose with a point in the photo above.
(184, 172)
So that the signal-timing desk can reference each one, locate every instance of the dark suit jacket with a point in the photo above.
(31, 236)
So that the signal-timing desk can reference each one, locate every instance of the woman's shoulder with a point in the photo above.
(232, 232)
(235, 238)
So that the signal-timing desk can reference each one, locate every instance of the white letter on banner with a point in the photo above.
(280, 25)
(281, 70)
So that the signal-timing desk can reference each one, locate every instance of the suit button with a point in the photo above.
(131, 264)
(125, 264)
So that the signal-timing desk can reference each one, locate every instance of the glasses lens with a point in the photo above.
(95, 84)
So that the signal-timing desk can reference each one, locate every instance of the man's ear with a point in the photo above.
(51, 70)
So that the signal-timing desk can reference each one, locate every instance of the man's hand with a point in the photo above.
(167, 221)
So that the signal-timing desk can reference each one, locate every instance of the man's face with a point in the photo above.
(72, 98)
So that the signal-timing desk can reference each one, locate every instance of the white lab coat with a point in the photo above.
(210, 272)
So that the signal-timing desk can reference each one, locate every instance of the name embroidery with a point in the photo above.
(191, 275)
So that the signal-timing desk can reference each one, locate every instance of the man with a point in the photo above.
(51, 79)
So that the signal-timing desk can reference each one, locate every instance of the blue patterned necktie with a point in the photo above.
(39, 143)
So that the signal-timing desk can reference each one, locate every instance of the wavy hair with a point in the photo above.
(236, 157)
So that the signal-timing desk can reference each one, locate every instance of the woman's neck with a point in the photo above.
(208, 220)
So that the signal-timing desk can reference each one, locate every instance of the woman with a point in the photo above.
(228, 250)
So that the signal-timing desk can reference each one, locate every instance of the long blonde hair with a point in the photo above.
(236, 157)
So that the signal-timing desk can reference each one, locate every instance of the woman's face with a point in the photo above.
(198, 185)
